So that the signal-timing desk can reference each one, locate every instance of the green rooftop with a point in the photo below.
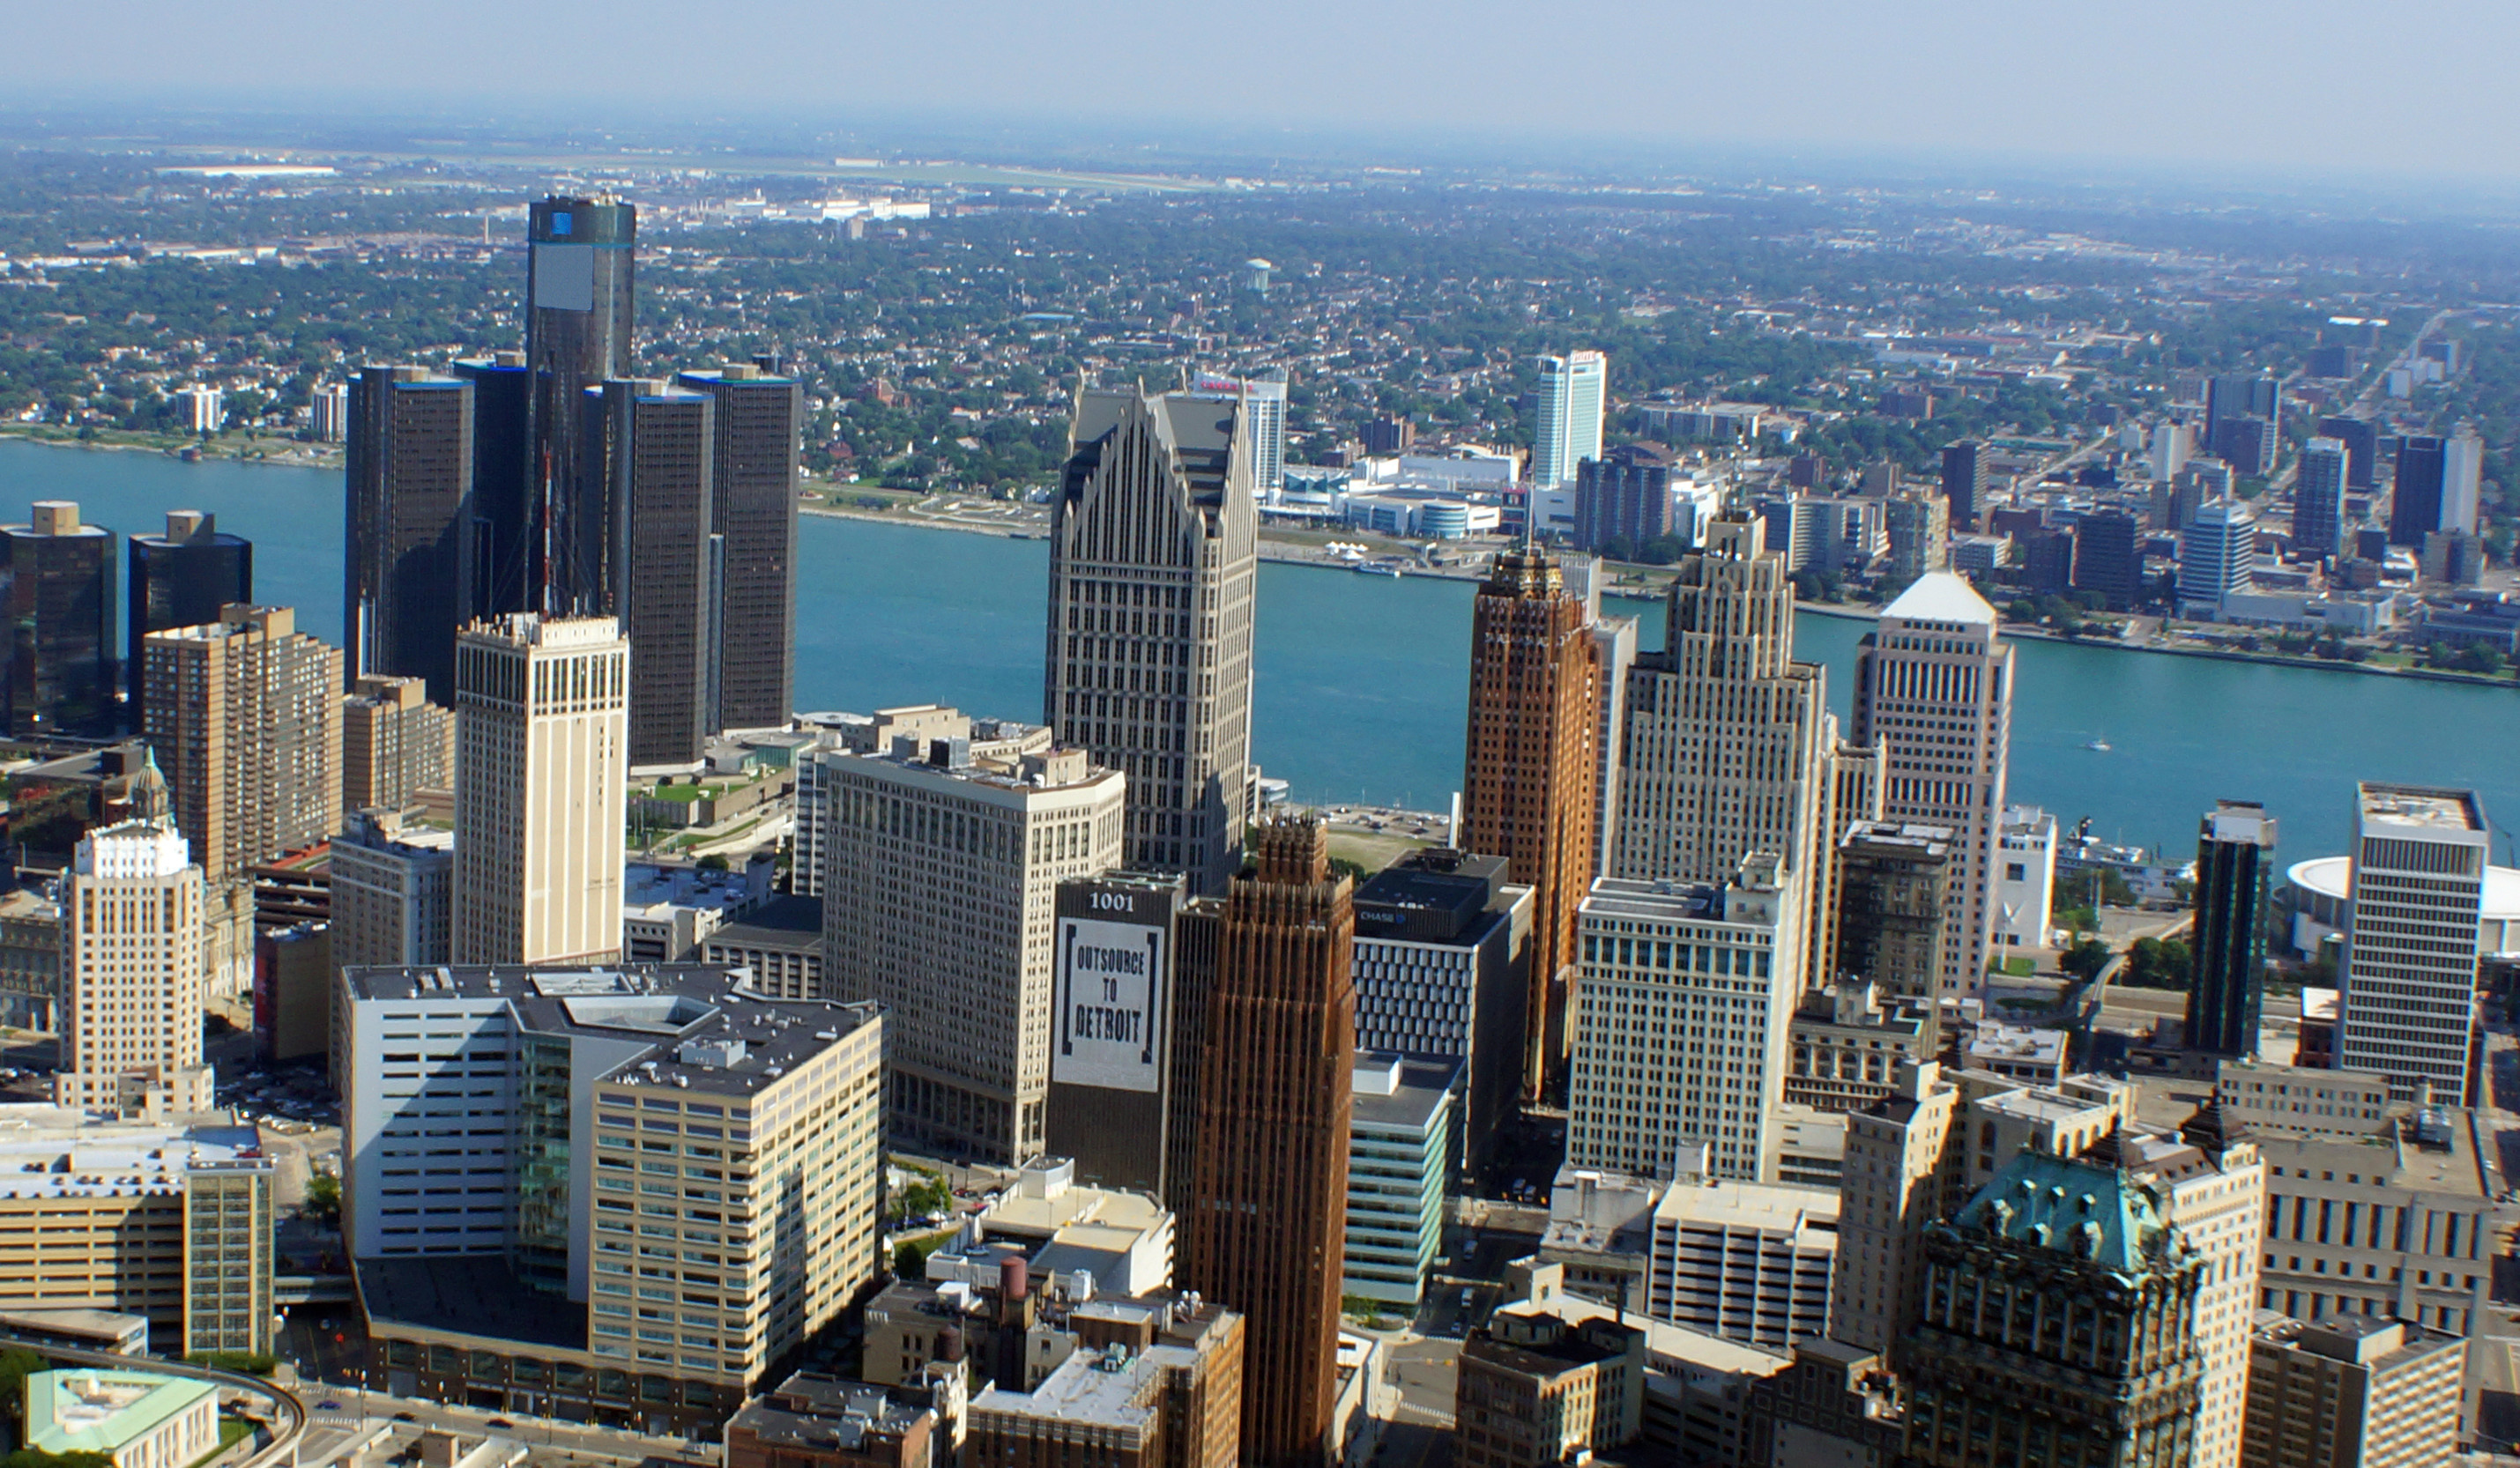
(89, 1410)
(2072, 1207)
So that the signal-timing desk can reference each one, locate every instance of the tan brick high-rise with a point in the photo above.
(1527, 784)
(1265, 1225)
(244, 718)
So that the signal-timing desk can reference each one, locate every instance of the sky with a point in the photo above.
(2305, 86)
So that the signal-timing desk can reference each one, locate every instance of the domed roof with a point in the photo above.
(150, 798)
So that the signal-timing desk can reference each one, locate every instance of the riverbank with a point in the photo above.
(229, 448)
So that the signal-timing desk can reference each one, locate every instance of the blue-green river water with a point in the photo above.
(1361, 679)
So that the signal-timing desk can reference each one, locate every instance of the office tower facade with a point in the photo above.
(1268, 1189)
(1893, 917)
(541, 781)
(1919, 528)
(939, 903)
(1622, 498)
(328, 415)
(1527, 784)
(1122, 1115)
(496, 537)
(2075, 1236)
(2242, 413)
(1723, 964)
(1573, 390)
(1614, 653)
(579, 316)
(61, 676)
(1153, 569)
(1965, 481)
(1260, 405)
(2107, 561)
(1390, 436)
(2209, 1183)
(2236, 853)
(2216, 548)
(1442, 942)
(2410, 1003)
(753, 536)
(179, 579)
(1159, 1388)
(245, 718)
(394, 743)
(505, 1248)
(2319, 499)
(2463, 479)
(2417, 493)
(1722, 750)
(654, 450)
(406, 576)
(2171, 442)
(1403, 1154)
(1933, 684)
(132, 969)
(1902, 1173)
(2353, 1392)
(394, 887)
(2362, 440)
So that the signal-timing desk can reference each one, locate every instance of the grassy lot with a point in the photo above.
(1373, 851)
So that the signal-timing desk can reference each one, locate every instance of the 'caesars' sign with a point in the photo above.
(1111, 986)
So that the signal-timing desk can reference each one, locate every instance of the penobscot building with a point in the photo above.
(1153, 565)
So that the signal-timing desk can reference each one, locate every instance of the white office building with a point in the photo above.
(131, 968)
(1573, 390)
(1934, 685)
(1748, 1262)
(2025, 880)
(2418, 884)
(1682, 1023)
(2463, 478)
(1403, 1145)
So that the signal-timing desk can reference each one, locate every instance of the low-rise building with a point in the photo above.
(1402, 1147)
(669, 910)
(1849, 1041)
(2018, 1053)
(2355, 1391)
(135, 1419)
(1158, 1388)
(1123, 1239)
(781, 941)
(2306, 1101)
(815, 1421)
(2025, 880)
(1536, 1388)
(1746, 1262)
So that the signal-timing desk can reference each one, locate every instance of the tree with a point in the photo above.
(2084, 960)
(324, 1199)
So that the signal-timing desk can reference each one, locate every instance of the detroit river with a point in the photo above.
(1361, 679)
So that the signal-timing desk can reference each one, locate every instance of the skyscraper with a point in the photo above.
(579, 312)
(1934, 684)
(1573, 390)
(938, 903)
(753, 520)
(2417, 884)
(2216, 546)
(1965, 481)
(2234, 864)
(1153, 559)
(2417, 495)
(131, 967)
(1527, 783)
(1623, 496)
(496, 537)
(2106, 559)
(394, 744)
(1901, 1174)
(654, 449)
(2119, 1385)
(1267, 1221)
(1725, 735)
(406, 576)
(1262, 401)
(1894, 913)
(2319, 499)
(2463, 479)
(61, 674)
(2362, 440)
(180, 579)
(541, 770)
(246, 715)
(2353, 1392)
(2242, 415)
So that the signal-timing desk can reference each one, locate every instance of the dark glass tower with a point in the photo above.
(1965, 481)
(406, 586)
(2319, 498)
(2362, 442)
(577, 335)
(651, 449)
(2235, 854)
(497, 540)
(2415, 500)
(180, 579)
(2106, 560)
(753, 515)
(56, 589)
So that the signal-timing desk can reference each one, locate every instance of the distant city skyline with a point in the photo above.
(2160, 72)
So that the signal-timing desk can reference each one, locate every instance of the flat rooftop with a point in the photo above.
(468, 1295)
(785, 921)
(1396, 1092)
(2422, 806)
(1659, 902)
(708, 1029)
(1768, 1207)
(1098, 1387)
(48, 1151)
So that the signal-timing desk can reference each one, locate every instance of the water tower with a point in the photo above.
(1255, 274)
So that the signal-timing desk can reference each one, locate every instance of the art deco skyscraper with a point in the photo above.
(578, 319)
(244, 713)
(1527, 783)
(652, 449)
(1934, 684)
(1152, 567)
(405, 571)
(179, 579)
(2235, 855)
(753, 519)
(1265, 1225)
(1725, 738)
(131, 965)
(541, 764)
(57, 664)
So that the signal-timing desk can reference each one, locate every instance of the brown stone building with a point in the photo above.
(1527, 785)
(823, 1422)
(1144, 1389)
(1265, 1226)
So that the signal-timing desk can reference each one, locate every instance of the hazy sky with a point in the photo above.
(2314, 85)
